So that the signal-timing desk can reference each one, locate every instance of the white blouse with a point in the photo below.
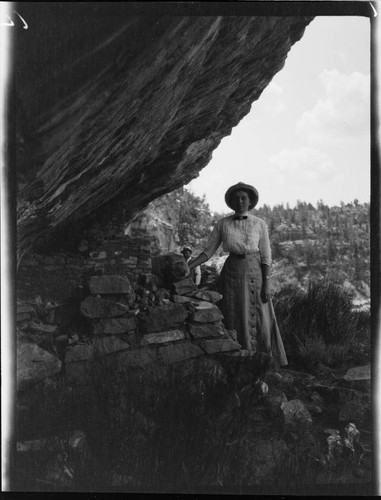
(241, 236)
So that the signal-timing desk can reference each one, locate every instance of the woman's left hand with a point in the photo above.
(266, 294)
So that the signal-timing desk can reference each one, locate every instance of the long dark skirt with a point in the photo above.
(240, 283)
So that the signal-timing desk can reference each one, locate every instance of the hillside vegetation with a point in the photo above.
(309, 243)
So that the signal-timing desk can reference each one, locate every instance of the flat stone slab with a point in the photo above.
(109, 345)
(25, 308)
(207, 295)
(34, 364)
(206, 312)
(43, 328)
(95, 307)
(183, 299)
(214, 346)
(184, 286)
(162, 337)
(113, 326)
(161, 318)
(202, 330)
(109, 284)
(23, 317)
(179, 352)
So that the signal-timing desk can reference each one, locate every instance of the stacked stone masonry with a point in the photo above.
(130, 321)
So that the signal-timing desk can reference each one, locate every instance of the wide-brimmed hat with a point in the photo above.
(241, 186)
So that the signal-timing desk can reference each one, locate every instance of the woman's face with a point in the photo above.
(240, 201)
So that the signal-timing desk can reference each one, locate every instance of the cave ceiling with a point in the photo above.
(115, 108)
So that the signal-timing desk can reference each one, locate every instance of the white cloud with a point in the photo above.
(304, 165)
(344, 111)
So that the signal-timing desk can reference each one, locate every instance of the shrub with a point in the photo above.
(320, 325)
(163, 433)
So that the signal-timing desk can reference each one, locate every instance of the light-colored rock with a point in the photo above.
(34, 364)
(43, 328)
(162, 337)
(358, 373)
(359, 378)
(295, 412)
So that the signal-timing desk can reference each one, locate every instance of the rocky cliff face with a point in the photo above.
(115, 110)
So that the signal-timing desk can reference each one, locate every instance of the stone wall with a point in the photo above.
(57, 276)
(133, 327)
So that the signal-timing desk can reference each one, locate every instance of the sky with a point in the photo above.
(307, 137)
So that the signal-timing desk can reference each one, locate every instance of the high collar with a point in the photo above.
(242, 214)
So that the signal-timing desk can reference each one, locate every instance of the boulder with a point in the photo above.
(162, 337)
(109, 284)
(183, 286)
(111, 326)
(358, 373)
(206, 312)
(171, 267)
(201, 330)
(160, 318)
(295, 413)
(359, 378)
(34, 364)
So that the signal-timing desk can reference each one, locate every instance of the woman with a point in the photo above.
(245, 278)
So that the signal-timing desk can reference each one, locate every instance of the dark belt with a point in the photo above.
(241, 255)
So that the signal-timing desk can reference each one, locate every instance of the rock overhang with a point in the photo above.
(121, 109)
